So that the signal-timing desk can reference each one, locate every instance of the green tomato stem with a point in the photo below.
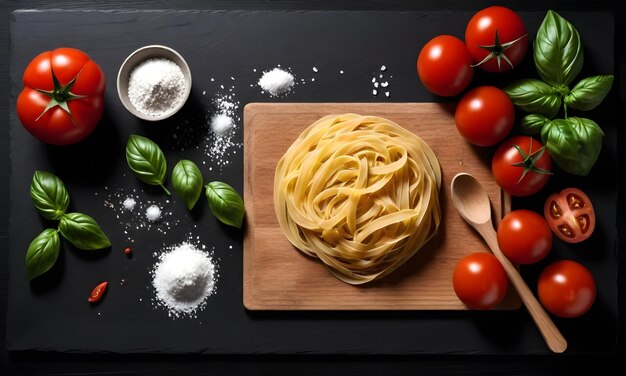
(165, 189)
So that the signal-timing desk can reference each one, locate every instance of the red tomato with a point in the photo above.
(524, 171)
(445, 66)
(479, 280)
(496, 38)
(567, 289)
(524, 237)
(570, 214)
(484, 116)
(62, 100)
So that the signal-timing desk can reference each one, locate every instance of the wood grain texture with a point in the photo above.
(278, 277)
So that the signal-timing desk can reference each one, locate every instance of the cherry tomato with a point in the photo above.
(479, 280)
(570, 214)
(567, 289)
(445, 66)
(484, 116)
(62, 100)
(521, 166)
(524, 237)
(497, 39)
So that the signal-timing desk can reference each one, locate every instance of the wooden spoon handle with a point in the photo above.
(553, 337)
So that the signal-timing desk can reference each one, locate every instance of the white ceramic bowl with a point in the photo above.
(137, 57)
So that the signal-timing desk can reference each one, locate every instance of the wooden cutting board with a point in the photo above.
(279, 277)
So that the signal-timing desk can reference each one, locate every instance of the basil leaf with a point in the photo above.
(535, 96)
(83, 231)
(574, 143)
(42, 253)
(225, 203)
(49, 195)
(589, 92)
(146, 160)
(187, 181)
(533, 123)
(558, 50)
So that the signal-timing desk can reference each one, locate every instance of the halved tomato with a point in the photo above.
(570, 215)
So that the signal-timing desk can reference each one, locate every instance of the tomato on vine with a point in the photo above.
(63, 96)
(521, 166)
(497, 39)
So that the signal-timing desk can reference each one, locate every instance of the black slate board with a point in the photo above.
(52, 313)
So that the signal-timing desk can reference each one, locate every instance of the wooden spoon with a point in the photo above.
(472, 202)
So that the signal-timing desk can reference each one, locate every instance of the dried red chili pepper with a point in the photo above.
(128, 251)
(97, 292)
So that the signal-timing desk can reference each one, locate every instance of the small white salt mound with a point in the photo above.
(221, 124)
(129, 203)
(183, 279)
(153, 213)
(276, 81)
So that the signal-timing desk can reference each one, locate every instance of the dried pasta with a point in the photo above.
(360, 193)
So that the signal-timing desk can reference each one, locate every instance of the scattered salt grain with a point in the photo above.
(129, 203)
(340, 72)
(387, 94)
(383, 68)
(183, 278)
(374, 92)
(315, 69)
(375, 84)
(384, 84)
(153, 213)
(276, 81)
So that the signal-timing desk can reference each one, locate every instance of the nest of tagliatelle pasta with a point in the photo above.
(360, 193)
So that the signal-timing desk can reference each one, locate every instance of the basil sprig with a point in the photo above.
(187, 181)
(573, 142)
(146, 160)
(51, 199)
(83, 231)
(225, 203)
(49, 195)
(42, 253)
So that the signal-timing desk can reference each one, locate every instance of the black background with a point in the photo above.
(60, 363)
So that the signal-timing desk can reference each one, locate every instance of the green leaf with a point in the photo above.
(49, 195)
(558, 50)
(83, 231)
(42, 253)
(225, 203)
(535, 96)
(146, 160)
(187, 181)
(533, 123)
(589, 92)
(574, 143)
